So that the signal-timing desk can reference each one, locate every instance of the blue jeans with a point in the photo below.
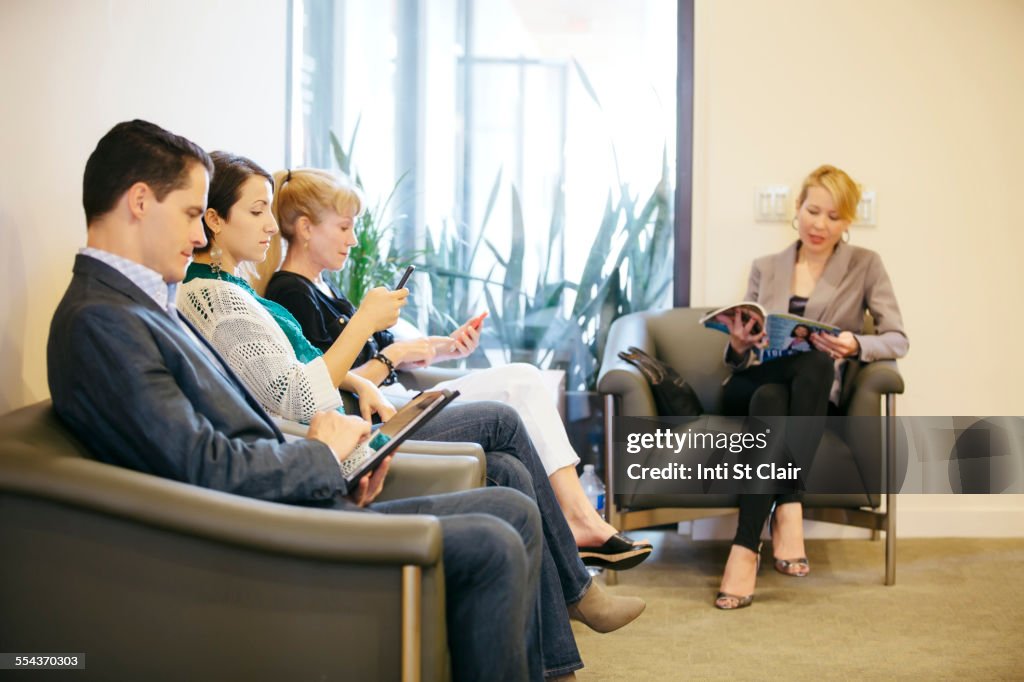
(492, 557)
(512, 462)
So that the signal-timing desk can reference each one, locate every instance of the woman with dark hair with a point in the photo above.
(263, 343)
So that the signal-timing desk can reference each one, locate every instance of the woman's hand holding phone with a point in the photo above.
(405, 277)
(466, 338)
(477, 321)
(380, 307)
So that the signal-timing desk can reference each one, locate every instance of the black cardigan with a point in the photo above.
(322, 317)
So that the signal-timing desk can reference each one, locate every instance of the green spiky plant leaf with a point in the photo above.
(552, 321)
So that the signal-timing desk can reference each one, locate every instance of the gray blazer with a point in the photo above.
(854, 280)
(138, 392)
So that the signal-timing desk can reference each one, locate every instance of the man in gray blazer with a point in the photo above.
(142, 389)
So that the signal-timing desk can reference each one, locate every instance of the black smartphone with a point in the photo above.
(405, 277)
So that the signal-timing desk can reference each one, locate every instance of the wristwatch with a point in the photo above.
(392, 376)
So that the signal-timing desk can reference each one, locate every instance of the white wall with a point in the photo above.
(212, 71)
(922, 101)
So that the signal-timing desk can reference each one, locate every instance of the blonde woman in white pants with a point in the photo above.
(316, 214)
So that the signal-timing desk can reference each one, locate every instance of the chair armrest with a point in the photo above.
(431, 447)
(410, 478)
(428, 377)
(622, 379)
(413, 475)
(636, 399)
(221, 517)
(871, 382)
(423, 447)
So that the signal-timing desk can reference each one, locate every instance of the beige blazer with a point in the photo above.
(854, 280)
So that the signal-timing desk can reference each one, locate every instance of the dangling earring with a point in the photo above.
(215, 258)
(795, 226)
(846, 236)
(306, 244)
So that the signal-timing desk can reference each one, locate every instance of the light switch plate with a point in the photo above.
(771, 203)
(867, 209)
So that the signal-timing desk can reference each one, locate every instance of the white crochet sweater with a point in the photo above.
(256, 348)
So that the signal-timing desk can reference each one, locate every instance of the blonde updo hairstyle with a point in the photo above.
(309, 193)
(843, 190)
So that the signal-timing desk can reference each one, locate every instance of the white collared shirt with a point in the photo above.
(147, 279)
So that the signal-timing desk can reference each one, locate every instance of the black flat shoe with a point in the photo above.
(639, 544)
(618, 553)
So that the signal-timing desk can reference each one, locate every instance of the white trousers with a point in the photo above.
(520, 386)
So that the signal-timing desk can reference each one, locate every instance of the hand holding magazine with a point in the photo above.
(392, 433)
(786, 334)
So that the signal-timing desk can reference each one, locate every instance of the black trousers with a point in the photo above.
(808, 378)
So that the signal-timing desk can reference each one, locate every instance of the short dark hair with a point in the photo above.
(137, 151)
(230, 171)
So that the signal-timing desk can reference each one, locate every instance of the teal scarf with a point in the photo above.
(304, 350)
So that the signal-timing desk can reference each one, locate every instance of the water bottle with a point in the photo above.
(593, 488)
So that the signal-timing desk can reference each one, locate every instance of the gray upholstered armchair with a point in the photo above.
(154, 579)
(675, 337)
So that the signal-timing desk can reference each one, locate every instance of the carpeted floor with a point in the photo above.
(955, 612)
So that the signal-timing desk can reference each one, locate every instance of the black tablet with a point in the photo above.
(385, 440)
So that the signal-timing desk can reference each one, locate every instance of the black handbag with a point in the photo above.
(672, 395)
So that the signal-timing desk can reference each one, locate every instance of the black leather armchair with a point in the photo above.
(675, 337)
(154, 579)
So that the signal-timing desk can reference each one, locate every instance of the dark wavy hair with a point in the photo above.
(230, 171)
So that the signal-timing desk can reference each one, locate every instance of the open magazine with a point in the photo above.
(385, 440)
(787, 334)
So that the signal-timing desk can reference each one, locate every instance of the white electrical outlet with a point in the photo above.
(771, 203)
(867, 209)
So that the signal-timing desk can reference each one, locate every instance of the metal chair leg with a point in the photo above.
(890, 539)
(412, 622)
(890, 497)
(611, 513)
